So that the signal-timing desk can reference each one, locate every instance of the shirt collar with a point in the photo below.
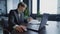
(20, 11)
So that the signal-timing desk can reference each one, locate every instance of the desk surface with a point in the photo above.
(53, 27)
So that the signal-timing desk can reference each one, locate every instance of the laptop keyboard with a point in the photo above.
(34, 27)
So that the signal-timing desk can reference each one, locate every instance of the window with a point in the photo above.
(21, 0)
(34, 6)
(48, 6)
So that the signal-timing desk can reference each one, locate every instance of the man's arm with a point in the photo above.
(11, 19)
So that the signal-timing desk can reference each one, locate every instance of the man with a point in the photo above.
(16, 18)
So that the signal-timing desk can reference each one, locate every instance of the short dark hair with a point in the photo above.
(22, 4)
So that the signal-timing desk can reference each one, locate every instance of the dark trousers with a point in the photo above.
(5, 32)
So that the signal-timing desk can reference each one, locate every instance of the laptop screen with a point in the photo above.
(43, 21)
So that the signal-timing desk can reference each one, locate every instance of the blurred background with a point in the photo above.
(35, 9)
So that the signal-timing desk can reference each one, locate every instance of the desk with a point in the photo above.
(53, 27)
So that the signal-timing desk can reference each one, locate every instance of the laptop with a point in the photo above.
(36, 27)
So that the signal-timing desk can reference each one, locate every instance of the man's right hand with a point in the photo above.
(20, 28)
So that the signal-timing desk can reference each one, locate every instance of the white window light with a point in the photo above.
(34, 6)
(21, 0)
(48, 6)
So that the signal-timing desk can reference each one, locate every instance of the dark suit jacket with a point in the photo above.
(14, 19)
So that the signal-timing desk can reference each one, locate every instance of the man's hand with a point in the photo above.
(20, 28)
(29, 19)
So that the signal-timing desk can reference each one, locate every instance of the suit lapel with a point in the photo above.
(18, 18)
(16, 15)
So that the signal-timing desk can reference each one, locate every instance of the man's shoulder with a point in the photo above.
(14, 10)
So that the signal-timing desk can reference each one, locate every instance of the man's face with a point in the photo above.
(21, 8)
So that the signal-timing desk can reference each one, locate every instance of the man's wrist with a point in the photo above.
(15, 26)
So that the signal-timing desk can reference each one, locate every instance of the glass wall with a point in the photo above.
(2, 7)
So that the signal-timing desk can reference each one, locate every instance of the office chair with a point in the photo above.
(5, 25)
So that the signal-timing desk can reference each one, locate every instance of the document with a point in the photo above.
(33, 21)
